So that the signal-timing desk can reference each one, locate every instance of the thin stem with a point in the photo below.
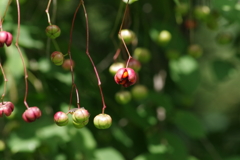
(70, 57)
(48, 16)
(54, 11)
(56, 45)
(88, 54)
(5, 12)
(119, 33)
(5, 83)
(18, 48)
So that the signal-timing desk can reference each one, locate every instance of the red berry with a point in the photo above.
(126, 77)
(61, 118)
(31, 114)
(6, 108)
(5, 37)
(67, 64)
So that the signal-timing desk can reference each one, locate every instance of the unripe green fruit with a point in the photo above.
(81, 115)
(61, 118)
(195, 50)
(57, 58)
(123, 97)
(53, 31)
(115, 67)
(142, 54)
(164, 37)
(172, 54)
(102, 121)
(127, 35)
(134, 64)
(224, 38)
(201, 12)
(139, 92)
(182, 9)
(80, 125)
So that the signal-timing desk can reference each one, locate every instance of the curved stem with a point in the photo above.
(88, 54)
(48, 16)
(119, 33)
(70, 57)
(5, 12)
(5, 83)
(18, 48)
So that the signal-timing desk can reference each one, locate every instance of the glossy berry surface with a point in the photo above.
(81, 115)
(53, 31)
(5, 37)
(31, 114)
(125, 77)
(61, 118)
(102, 121)
(6, 108)
(57, 58)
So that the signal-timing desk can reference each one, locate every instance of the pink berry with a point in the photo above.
(61, 118)
(31, 114)
(126, 77)
(6, 108)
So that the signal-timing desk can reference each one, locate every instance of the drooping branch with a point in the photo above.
(5, 82)
(89, 56)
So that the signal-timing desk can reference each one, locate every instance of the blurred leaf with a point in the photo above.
(149, 156)
(222, 69)
(185, 73)
(233, 158)
(17, 144)
(120, 134)
(108, 153)
(189, 123)
(88, 139)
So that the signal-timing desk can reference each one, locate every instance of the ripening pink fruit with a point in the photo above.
(125, 77)
(31, 114)
(6, 108)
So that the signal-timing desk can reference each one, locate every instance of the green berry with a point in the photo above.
(123, 97)
(102, 121)
(53, 31)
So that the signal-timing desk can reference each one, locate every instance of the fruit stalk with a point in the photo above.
(88, 54)
(5, 82)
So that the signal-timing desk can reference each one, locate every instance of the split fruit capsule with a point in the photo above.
(125, 77)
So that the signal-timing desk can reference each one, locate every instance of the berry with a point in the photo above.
(57, 58)
(164, 37)
(6, 108)
(201, 12)
(224, 38)
(102, 121)
(53, 31)
(67, 64)
(115, 67)
(134, 64)
(195, 50)
(5, 37)
(182, 9)
(142, 54)
(127, 35)
(81, 115)
(31, 114)
(123, 97)
(61, 118)
(80, 125)
(139, 92)
(190, 24)
(126, 77)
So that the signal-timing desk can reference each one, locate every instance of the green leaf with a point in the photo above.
(222, 69)
(149, 156)
(189, 123)
(108, 153)
(120, 134)
(185, 73)
(17, 144)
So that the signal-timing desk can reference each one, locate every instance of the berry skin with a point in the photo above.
(5, 37)
(115, 67)
(139, 92)
(81, 115)
(128, 36)
(202, 12)
(126, 77)
(195, 50)
(123, 97)
(61, 118)
(6, 108)
(53, 31)
(31, 114)
(80, 125)
(142, 54)
(134, 64)
(57, 58)
(164, 37)
(67, 64)
(102, 121)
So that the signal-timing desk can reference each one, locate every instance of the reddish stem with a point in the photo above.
(88, 54)
(70, 57)
(5, 83)
(48, 16)
(19, 50)
(5, 12)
